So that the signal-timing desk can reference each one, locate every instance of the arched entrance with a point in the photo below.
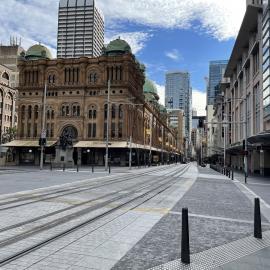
(67, 154)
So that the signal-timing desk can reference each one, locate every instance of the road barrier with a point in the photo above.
(257, 219)
(185, 250)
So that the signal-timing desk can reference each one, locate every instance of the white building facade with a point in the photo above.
(80, 29)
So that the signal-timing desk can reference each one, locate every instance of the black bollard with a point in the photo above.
(77, 167)
(245, 177)
(92, 168)
(257, 219)
(51, 166)
(185, 251)
(109, 168)
(64, 167)
(232, 174)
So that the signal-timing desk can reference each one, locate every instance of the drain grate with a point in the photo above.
(218, 256)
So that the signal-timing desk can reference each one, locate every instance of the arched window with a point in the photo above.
(51, 79)
(93, 78)
(36, 112)
(113, 111)
(65, 110)
(76, 110)
(52, 115)
(121, 112)
(105, 111)
(23, 112)
(5, 76)
(92, 113)
(29, 112)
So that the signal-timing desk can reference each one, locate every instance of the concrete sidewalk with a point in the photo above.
(219, 214)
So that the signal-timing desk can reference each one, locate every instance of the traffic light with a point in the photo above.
(42, 141)
(200, 123)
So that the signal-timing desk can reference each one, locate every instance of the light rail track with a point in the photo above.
(132, 196)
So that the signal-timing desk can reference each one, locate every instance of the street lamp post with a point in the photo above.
(43, 131)
(130, 152)
(107, 131)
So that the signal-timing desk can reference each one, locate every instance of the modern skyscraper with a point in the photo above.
(80, 29)
(179, 95)
(216, 72)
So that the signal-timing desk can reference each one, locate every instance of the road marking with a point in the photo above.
(217, 218)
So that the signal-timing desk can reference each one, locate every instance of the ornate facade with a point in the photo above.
(78, 107)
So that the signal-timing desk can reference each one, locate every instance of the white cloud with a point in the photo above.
(136, 40)
(34, 21)
(220, 19)
(174, 54)
(199, 101)
(161, 92)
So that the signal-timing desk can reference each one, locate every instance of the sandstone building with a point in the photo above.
(77, 110)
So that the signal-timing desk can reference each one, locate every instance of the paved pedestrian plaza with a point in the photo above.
(129, 219)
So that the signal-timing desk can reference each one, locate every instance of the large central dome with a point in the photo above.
(118, 46)
(37, 52)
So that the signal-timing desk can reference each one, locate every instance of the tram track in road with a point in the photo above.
(129, 198)
(30, 199)
(20, 224)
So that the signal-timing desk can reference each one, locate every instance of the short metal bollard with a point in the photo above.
(257, 219)
(245, 178)
(92, 168)
(232, 176)
(185, 250)
(64, 167)
(77, 167)
(109, 168)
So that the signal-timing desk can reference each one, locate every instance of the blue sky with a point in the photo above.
(164, 34)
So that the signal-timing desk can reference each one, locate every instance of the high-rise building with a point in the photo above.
(178, 95)
(80, 29)
(216, 72)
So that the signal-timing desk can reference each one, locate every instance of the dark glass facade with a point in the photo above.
(216, 71)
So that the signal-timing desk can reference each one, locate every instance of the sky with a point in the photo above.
(165, 35)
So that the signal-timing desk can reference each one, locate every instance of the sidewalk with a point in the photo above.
(219, 214)
(258, 184)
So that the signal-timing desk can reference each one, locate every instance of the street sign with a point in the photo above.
(43, 134)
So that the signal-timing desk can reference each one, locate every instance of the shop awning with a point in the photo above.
(96, 144)
(24, 143)
(262, 138)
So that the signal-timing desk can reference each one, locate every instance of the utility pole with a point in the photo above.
(246, 146)
(150, 151)
(224, 134)
(43, 131)
(130, 151)
(107, 131)
(162, 153)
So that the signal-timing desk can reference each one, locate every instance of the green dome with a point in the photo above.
(162, 109)
(37, 52)
(118, 46)
(149, 87)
